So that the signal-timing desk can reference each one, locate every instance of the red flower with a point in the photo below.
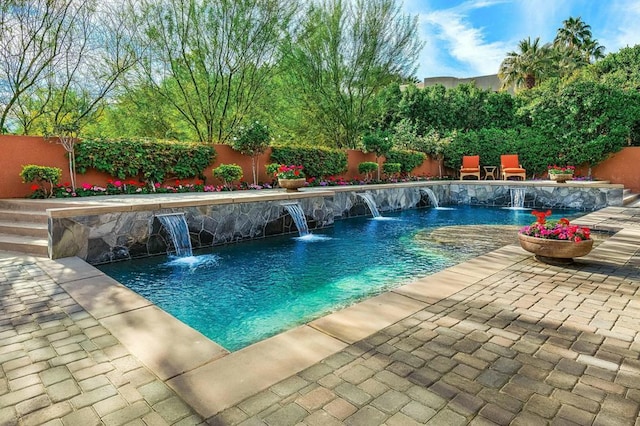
(541, 217)
(35, 187)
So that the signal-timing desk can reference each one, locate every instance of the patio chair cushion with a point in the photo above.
(510, 161)
(470, 163)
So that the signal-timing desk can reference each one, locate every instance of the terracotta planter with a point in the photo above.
(561, 177)
(291, 185)
(555, 251)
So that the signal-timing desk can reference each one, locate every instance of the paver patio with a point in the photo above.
(501, 339)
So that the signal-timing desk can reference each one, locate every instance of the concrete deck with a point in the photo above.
(500, 339)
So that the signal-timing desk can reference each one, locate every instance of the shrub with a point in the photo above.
(408, 160)
(252, 140)
(41, 175)
(367, 168)
(228, 173)
(272, 169)
(153, 160)
(317, 161)
(391, 169)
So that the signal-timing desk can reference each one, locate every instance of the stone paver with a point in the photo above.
(526, 343)
(55, 369)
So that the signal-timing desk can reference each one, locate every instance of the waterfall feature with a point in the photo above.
(297, 214)
(432, 197)
(372, 204)
(517, 198)
(176, 226)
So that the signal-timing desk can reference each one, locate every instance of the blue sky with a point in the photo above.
(471, 38)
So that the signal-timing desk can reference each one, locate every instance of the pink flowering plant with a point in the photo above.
(555, 230)
(289, 172)
(561, 170)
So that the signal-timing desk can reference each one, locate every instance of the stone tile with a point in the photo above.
(63, 390)
(340, 408)
(543, 406)
(289, 386)
(258, 402)
(109, 405)
(89, 398)
(315, 399)
(496, 414)
(24, 381)
(288, 415)
(418, 412)
(391, 401)
(44, 415)
(25, 407)
(23, 394)
(373, 387)
(357, 374)
(83, 417)
(172, 409)
(366, 416)
(126, 414)
(155, 392)
(447, 417)
(352, 394)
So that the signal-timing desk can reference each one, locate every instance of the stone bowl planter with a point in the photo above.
(561, 177)
(554, 252)
(291, 185)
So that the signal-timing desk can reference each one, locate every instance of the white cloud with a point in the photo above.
(622, 23)
(448, 33)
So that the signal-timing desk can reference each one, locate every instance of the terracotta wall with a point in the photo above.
(621, 167)
(17, 151)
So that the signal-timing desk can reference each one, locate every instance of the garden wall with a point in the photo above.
(21, 150)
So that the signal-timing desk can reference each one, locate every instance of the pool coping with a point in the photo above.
(210, 379)
(135, 203)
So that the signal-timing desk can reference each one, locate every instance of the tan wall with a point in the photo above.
(17, 151)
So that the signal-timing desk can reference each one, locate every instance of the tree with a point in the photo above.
(575, 44)
(527, 66)
(32, 35)
(573, 33)
(252, 140)
(211, 60)
(583, 122)
(343, 54)
(379, 143)
(620, 69)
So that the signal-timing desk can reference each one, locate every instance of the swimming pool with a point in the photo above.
(240, 294)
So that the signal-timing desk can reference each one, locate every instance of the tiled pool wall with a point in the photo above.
(110, 234)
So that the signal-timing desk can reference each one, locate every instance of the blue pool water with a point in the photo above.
(242, 293)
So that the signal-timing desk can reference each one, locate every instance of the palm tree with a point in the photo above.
(593, 50)
(526, 67)
(573, 33)
(575, 39)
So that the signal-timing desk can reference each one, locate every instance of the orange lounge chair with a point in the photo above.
(510, 166)
(470, 166)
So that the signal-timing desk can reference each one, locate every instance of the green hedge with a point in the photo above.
(154, 160)
(317, 161)
(408, 160)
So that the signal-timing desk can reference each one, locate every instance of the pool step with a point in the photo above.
(24, 244)
(23, 226)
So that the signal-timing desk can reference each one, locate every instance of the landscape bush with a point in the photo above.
(149, 159)
(318, 162)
